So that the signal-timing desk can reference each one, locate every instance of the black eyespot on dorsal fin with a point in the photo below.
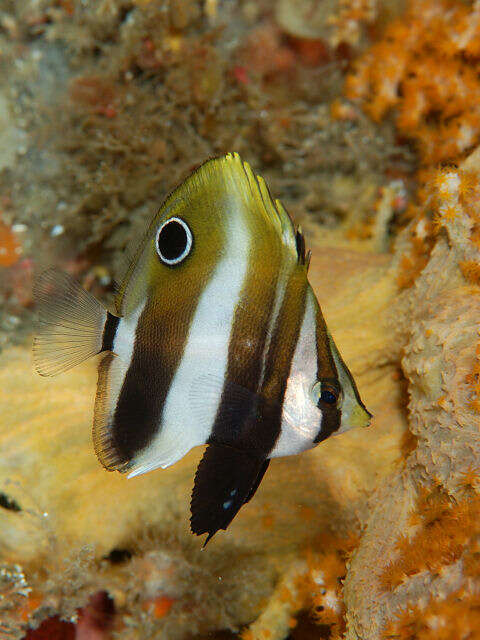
(303, 255)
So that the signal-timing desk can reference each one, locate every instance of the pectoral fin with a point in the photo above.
(70, 323)
(226, 478)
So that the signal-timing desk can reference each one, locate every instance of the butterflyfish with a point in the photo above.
(215, 338)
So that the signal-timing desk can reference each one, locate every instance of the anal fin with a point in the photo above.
(255, 486)
(226, 478)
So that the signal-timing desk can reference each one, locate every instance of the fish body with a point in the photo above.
(215, 338)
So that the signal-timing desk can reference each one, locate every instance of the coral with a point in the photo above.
(312, 584)
(448, 202)
(443, 529)
(473, 378)
(471, 271)
(415, 572)
(424, 69)
(456, 616)
(9, 247)
(326, 573)
(349, 20)
(14, 591)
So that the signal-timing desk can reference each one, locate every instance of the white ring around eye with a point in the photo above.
(174, 259)
(315, 392)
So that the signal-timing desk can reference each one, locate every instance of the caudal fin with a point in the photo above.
(70, 323)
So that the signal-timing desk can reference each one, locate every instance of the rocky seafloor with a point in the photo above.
(362, 117)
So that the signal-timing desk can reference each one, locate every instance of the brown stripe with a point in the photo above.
(280, 356)
(109, 331)
(160, 340)
(172, 295)
(249, 338)
(326, 368)
(326, 372)
(331, 418)
(107, 454)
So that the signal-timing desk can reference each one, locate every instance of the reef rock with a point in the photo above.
(418, 547)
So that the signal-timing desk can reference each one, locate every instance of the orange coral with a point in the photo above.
(445, 530)
(159, 606)
(315, 586)
(32, 603)
(349, 19)
(474, 380)
(471, 271)
(9, 247)
(424, 71)
(450, 196)
(470, 479)
(456, 617)
(322, 584)
(425, 68)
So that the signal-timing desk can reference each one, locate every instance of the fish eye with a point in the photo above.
(174, 241)
(326, 393)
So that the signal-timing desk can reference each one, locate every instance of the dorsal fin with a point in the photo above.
(292, 237)
(275, 211)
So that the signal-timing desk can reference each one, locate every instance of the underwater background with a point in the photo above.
(363, 116)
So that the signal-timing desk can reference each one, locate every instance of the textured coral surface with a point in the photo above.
(420, 546)
(424, 68)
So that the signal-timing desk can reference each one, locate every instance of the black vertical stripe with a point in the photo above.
(109, 331)
(240, 401)
(254, 425)
(331, 418)
(160, 340)
(280, 357)
(326, 368)
(326, 371)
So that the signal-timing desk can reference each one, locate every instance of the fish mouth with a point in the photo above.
(361, 417)
(366, 413)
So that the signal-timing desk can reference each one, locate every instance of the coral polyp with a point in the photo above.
(424, 70)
